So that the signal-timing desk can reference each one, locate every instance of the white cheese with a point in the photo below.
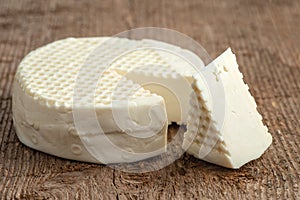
(43, 105)
(133, 98)
(241, 136)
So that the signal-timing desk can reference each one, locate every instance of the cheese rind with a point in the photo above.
(243, 136)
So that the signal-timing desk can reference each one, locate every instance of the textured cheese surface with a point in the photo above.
(43, 76)
(49, 73)
(43, 99)
(147, 62)
(243, 137)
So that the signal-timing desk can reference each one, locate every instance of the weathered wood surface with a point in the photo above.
(263, 34)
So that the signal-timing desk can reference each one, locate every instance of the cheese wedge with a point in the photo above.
(43, 106)
(240, 135)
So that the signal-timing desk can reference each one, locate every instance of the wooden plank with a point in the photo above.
(263, 34)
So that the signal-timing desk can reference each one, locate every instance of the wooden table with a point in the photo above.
(263, 34)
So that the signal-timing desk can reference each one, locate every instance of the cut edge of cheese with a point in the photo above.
(162, 69)
(243, 136)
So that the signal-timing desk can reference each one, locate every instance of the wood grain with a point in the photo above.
(263, 34)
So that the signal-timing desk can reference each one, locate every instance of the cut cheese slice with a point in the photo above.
(43, 105)
(241, 136)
